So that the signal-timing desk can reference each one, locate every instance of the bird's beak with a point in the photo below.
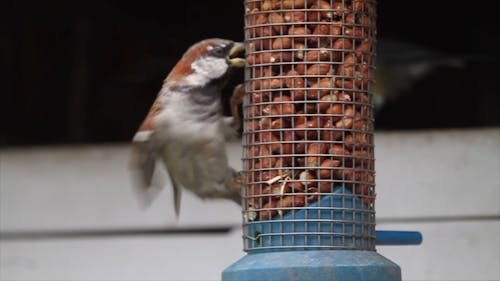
(233, 58)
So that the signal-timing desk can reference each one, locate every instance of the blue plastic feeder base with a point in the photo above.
(352, 265)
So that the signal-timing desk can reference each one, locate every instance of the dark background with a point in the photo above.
(87, 72)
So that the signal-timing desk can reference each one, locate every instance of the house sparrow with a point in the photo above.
(185, 127)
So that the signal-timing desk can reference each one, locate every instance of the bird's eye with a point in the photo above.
(217, 50)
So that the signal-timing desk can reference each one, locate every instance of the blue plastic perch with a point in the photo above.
(390, 237)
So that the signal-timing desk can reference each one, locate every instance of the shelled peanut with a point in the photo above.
(308, 118)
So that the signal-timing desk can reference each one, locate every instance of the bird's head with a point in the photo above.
(206, 61)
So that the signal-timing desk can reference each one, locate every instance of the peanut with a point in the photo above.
(310, 107)
(259, 44)
(299, 50)
(326, 100)
(299, 33)
(258, 97)
(285, 56)
(355, 31)
(309, 129)
(345, 83)
(287, 148)
(268, 57)
(349, 18)
(338, 8)
(362, 158)
(270, 139)
(283, 105)
(318, 69)
(253, 151)
(357, 141)
(254, 110)
(265, 123)
(330, 132)
(347, 119)
(317, 55)
(278, 123)
(296, 84)
(340, 45)
(253, 6)
(269, 109)
(335, 110)
(294, 16)
(274, 207)
(324, 8)
(300, 147)
(251, 59)
(314, 151)
(295, 4)
(361, 124)
(327, 166)
(277, 20)
(253, 126)
(325, 29)
(357, 5)
(266, 160)
(363, 48)
(270, 5)
(365, 20)
(338, 152)
(347, 68)
(300, 68)
(282, 43)
(320, 89)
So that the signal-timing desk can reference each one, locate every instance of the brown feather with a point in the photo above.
(148, 123)
(183, 67)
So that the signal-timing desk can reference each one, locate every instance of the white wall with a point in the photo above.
(445, 184)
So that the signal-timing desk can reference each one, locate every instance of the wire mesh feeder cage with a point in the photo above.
(308, 154)
(308, 125)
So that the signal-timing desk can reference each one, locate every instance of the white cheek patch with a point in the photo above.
(207, 69)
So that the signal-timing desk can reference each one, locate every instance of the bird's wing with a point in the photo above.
(143, 158)
(145, 146)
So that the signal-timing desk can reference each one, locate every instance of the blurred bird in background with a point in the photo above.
(186, 128)
(404, 69)
(400, 65)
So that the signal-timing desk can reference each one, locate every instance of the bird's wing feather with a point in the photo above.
(143, 158)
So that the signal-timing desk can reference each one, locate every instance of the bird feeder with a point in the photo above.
(308, 153)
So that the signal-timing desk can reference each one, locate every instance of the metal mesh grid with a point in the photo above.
(308, 124)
